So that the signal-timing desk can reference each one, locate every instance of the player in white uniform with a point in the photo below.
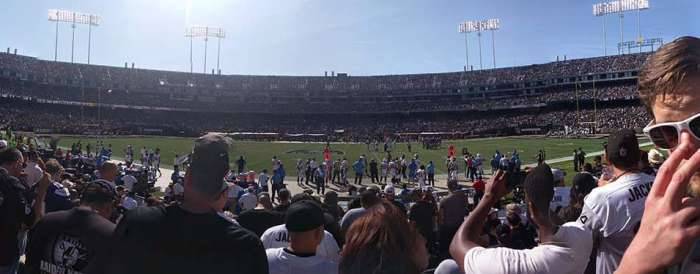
(301, 171)
(143, 155)
(156, 160)
(420, 177)
(393, 171)
(344, 171)
(613, 212)
(384, 169)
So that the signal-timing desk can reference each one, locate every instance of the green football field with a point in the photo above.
(259, 154)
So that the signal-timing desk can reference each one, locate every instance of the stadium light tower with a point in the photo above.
(620, 7)
(73, 18)
(479, 27)
(465, 28)
(206, 32)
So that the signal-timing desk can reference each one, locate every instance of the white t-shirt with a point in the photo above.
(282, 262)
(248, 201)
(613, 213)
(277, 236)
(129, 181)
(262, 180)
(568, 253)
(420, 177)
(34, 173)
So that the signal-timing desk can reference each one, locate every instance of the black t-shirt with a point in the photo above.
(423, 214)
(373, 167)
(172, 240)
(72, 240)
(259, 220)
(282, 208)
(15, 210)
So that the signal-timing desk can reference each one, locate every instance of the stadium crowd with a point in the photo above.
(29, 115)
(628, 212)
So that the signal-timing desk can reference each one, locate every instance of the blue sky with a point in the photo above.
(308, 37)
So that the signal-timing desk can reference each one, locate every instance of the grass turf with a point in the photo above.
(259, 154)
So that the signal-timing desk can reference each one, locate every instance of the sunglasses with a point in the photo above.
(668, 135)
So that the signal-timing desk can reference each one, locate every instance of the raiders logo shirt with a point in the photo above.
(613, 213)
(70, 241)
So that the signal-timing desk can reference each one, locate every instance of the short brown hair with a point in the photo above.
(53, 166)
(665, 70)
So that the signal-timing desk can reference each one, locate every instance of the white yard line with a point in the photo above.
(571, 158)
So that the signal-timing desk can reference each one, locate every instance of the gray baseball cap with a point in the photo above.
(209, 163)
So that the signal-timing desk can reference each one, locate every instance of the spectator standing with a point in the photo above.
(78, 239)
(381, 241)
(368, 199)
(613, 211)
(423, 215)
(283, 201)
(390, 195)
(248, 200)
(32, 170)
(582, 184)
(262, 217)
(669, 231)
(109, 171)
(451, 212)
(330, 204)
(16, 209)
(148, 239)
(57, 195)
(262, 181)
(278, 236)
(521, 235)
(562, 249)
(304, 223)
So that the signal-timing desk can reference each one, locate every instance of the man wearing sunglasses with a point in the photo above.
(669, 85)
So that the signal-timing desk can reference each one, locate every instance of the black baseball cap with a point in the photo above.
(583, 183)
(209, 163)
(622, 149)
(303, 216)
(98, 191)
